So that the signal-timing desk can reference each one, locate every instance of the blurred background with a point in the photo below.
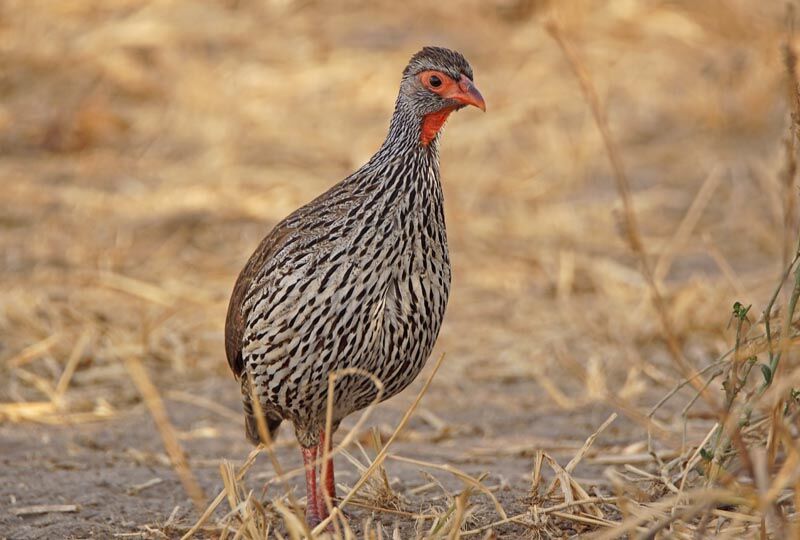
(147, 147)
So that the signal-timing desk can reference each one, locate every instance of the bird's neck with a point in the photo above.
(403, 163)
(409, 135)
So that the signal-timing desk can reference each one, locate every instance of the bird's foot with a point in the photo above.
(324, 511)
(313, 520)
(322, 506)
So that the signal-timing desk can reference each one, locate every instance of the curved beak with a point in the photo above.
(466, 94)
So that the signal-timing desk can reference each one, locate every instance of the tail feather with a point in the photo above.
(272, 420)
(251, 427)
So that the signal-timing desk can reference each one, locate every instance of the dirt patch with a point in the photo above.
(119, 477)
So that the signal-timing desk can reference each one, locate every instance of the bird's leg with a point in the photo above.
(312, 504)
(327, 481)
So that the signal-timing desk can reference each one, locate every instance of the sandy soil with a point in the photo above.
(98, 466)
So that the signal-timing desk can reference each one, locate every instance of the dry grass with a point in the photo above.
(635, 176)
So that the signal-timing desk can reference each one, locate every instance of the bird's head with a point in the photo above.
(436, 82)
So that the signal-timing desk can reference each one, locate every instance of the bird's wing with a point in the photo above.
(304, 223)
(236, 319)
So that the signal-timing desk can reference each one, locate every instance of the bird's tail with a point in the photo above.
(272, 420)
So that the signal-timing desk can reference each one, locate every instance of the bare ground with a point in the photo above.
(121, 481)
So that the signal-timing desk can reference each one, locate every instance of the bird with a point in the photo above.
(356, 281)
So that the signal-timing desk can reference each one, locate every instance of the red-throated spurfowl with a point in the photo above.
(357, 278)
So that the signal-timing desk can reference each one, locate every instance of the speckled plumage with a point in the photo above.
(357, 278)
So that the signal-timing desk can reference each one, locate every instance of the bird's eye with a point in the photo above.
(435, 81)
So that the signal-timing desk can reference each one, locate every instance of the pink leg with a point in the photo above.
(327, 480)
(312, 504)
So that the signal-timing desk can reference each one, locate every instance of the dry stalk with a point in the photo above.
(790, 170)
(267, 443)
(623, 189)
(283, 476)
(31, 352)
(660, 510)
(84, 341)
(384, 451)
(684, 382)
(631, 411)
(588, 444)
(458, 517)
(251, 458)
(169, 437)
(242, 507)
(377, 492)
(44, 509)
(461, 475)
(326, 453)
(755, 460)
(687, 224)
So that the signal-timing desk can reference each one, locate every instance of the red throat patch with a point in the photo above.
(432, 123)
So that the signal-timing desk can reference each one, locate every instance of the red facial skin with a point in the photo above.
(462, 91)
